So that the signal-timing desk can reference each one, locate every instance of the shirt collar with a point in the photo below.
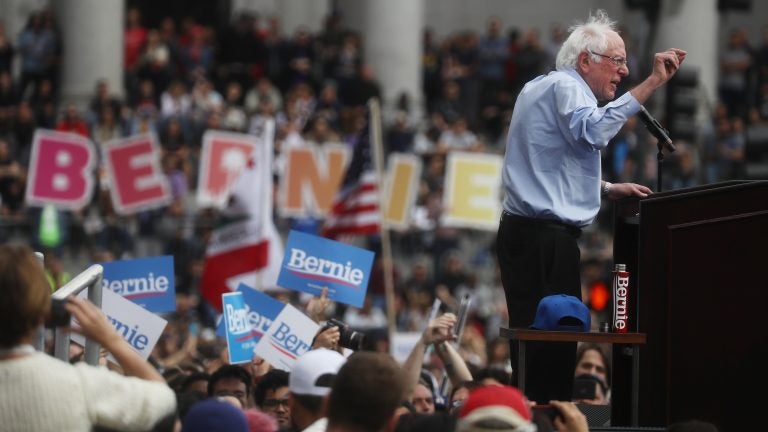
(572, 72)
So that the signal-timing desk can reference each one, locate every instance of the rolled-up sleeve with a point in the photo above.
(590, 124)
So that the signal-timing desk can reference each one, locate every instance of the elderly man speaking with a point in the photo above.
(552, 183)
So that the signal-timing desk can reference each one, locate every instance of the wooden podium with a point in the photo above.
(696, 259)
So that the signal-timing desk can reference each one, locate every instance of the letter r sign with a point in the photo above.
(60, 170)
(223, 157)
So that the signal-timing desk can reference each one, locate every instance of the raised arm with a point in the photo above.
(454, 364)
(665, 65)
(438, 330)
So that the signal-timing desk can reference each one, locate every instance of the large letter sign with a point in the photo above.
(402, 185)
(223, 157)
(134, 171)
(60, 170)
(312, 177)
(472, 190)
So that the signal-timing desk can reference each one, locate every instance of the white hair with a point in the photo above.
(591, 35)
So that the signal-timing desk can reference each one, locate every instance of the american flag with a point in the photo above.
(355, 209)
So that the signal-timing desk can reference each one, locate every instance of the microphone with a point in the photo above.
(656, 129)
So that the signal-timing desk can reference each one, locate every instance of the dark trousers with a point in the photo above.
(538, 258)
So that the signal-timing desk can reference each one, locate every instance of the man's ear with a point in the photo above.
(583, 64)
(392, 422)
(324, 405)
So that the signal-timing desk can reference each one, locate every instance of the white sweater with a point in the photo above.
(41, 393)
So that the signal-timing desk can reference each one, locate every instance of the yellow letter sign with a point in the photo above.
(472, 191)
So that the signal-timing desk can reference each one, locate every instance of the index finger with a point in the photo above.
(446, 320)
(678, 51)
(680, 54)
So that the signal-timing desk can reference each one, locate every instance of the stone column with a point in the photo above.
(392, 36)
(692, 25)
(301, 13)
(92, 41)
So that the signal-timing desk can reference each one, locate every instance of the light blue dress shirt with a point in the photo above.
(552, 161)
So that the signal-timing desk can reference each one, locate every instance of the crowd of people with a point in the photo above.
(183, 78)
(323, 390)
(326, 388)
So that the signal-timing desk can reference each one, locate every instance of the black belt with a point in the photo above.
(547, 223)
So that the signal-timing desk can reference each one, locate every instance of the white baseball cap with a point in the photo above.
(313, 372)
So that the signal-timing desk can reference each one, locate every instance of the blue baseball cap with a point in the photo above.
(562, 312)
(213, 415)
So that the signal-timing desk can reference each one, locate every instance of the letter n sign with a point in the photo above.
(60, 170)
(137, 181)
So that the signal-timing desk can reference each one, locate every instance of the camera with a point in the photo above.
(348, 338)
(58, 316)
(544, 415)
(585, 387)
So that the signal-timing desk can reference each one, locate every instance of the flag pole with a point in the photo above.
(386, 249)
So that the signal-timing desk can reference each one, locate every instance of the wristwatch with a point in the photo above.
(606, 188)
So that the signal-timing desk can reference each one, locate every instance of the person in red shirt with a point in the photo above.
(72, 122)
(134, 38)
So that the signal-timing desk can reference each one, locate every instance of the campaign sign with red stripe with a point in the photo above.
(262, 309)
(147, 282)
(240, 337)
(312, 263)
(289, 336)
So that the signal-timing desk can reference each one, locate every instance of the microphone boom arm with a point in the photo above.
(655, 128)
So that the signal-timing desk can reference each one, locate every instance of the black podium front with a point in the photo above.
(697, 259)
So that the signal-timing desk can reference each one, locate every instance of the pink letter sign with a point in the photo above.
(223, 157)
(60, 170)
(134, 171)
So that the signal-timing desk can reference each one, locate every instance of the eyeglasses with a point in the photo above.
(271, 403)
(618, 60)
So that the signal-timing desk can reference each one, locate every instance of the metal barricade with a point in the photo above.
(90, 279)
